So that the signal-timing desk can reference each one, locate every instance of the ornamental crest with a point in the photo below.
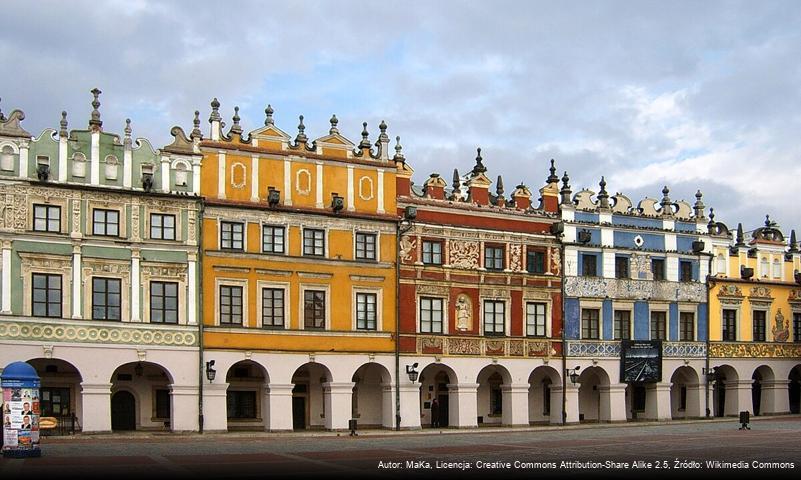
(464, 254)
(464, 313)
(730, 291)
(795, 295)
(781, 330)
(407, 246)
(760, 292)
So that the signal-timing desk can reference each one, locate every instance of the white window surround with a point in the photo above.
(262, 284)
(377, 245)
(325, 241)
(768, 332)
(659, 307)
(547, 304)
(445, 305)
(691, 308)
(737, 321)
(285, 228)
(63, 204)
(302, 300)
(244, 233)
(379, 305)
(623, 307)
(506, 315)
(146, 278)
(231, 282)
(166, 211)
(593, 305)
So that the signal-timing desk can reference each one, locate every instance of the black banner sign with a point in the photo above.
(640, 361)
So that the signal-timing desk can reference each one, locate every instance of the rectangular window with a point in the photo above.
(272, 307)
(46, 293)
(241, 404)
(687, 326)
(797, 327)
(232, 236)
(432, 252)
(622, 267)
(162, 404)
(430, 315)
(590, 324)
(314, 309)
(535, 319)
(729, 325)
(272, 239)
(365, 246)
(366, 311)
(589, 265)
(658, 325)
(759, 325)
(163, 302)
(313, 242)
(658, 268)
(535, 261)
(493, 258)
(685, 271)
(106, 222)
(230, 305)
(622, 324)
(494, 317)
(162, 227)
(106, 298)
(46, 218)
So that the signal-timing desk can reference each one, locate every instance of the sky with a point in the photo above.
(693, 95)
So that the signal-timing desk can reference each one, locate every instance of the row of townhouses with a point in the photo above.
(257, 281)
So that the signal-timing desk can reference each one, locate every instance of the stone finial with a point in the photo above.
(552, 178)
(667, 208)
(2, 116)
(479, 167)
(740, 239)
(365, 143)
(334, 122)
(63, 123)
(698, 208)
(793, 244)
(383, 137)
(268, 116)
(457, 185)
(712, 225)
(499, 186)
(236, 127)
(565, 191)
(603, 196)
(95, 123)
(301, 138)
(215, 111)
(128, 131)
(398, 151)
(768, 223)
(196, 133)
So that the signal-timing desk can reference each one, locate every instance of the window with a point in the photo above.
(162, 404)
(686, 326)
(622, 267)
(230, 305)
(366, 311)
(106, 222)
(430, 315)
(365, 246)
(622, 324)
(721, 264)
(163, 302)
(46, 301)
(797, 327)
(658, 325)
(535, 319)
(162, 227)
(589, 265)
(46, 218)
(658, 268)
(729, 325)
(432, 252)
(590, 324)
(314, 309)
(759, 325)
(493, 258)
(535, 261)
(232, 235)
(313, 242)
(494, 317)
(272, 307)
(764, 267)
(272, 239)
(106, 298)
(685, 271)
(777, 269)
(241, 404)
(7, 158)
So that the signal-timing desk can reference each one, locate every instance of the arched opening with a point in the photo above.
(246, 397)
(493, 381)
(761, 398)
(594, 405)
(372, 401)
(544, 396)
(724, 402)
(309, 396)
(60, 394)
(146, 403)
(794, 389)
(438, 406)
(685, 393)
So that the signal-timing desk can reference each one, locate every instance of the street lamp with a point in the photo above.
(710, 373)
(210, 371)
(410, 370)
(572, 373)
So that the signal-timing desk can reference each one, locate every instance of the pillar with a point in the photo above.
(738, 397)
(657, 401)
(338, 406)
(696, 402)
(387, 405)
(571, 404)
(76, 281)
(96, 407)
(278, 415)
(191, 295)
(184, 408)
(196, 176)
(612, 400)
(215, 407)
(463, 405)
(6, 294)
(515, 404)
(95, 159)
(62, 159)
(775, 397)
(410, 406)
(165, 174)
(136, 285)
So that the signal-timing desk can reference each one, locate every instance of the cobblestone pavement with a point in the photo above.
(772, 442)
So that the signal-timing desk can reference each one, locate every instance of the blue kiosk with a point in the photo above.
(21, 410)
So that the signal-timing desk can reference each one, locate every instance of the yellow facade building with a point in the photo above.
(298, 262)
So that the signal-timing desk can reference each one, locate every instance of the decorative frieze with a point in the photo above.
(684, 349)
(516, 258)
(81, 333)
(437, 290)
(593, 349)
(754, 350)
(464, 254)
(481, 346)
(627, 289)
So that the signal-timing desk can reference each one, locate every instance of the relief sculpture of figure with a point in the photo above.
(781, 332)
(464, 315)
(406, 247)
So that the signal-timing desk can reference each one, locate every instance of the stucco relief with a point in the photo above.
(641, 267)
(464, 346)
(730, 291)
(781, 328)
(556, 261)
(464, 254)
(238, 175)
(795, 295)
(407, 248)
(761, 292)
(432, 290)
(754, 350)
(495, 347)
(464, 313)
(136, 234)
(684, 349)
(66, 332)
(20, 212)
(593, 349)
(634, 289)
(516, 258)
(429, 345)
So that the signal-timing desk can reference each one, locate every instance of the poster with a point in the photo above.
(641, 361)
(21, 410)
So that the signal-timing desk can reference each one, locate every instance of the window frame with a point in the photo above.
(585, 258)
(484, 321)
(361, 238)
(428, 254)
(375, 303)
(654, 327)
(47, 289)
(272, 235)
(431, 311)
(323, 309)
(537, 319)
(619, 261)
(686, 271)
(106, 306)
(617, 327)
(683, 326)
(231, 314)
(313, 238)
(47, 217)
(533, 266)
(105, 223)
(232, 240)
(759, 332)
(263, 306)
(161, 227)
(494, 258)
(587, 327)
(729, 334)
(661, 262)
(164, 298)
(796, 325)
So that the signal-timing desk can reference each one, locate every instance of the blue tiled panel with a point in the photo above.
(673, 322)
(685, 227)
(696, 270)
(641, 321)
(684, 243)
(586, 217)
(607, 312)
(636, 222)
(702, 321)
(571, 319)
(650, 241)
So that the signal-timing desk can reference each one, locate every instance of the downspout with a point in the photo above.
(709, 281)
(564, 352)
(201, 366)
(397, 325)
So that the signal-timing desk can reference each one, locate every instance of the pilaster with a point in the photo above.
(96, 403)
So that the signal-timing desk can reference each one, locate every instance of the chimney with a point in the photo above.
(434, 187)
(522, 197)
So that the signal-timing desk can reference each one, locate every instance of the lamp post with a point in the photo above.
(404, 225)
(709, 375)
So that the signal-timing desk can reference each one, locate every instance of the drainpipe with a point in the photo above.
(564, 351)
(397, 325)
(199, 283)
(709, 282)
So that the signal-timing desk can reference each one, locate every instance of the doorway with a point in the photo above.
(123, 411)
(443, 410)
(299, 413)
